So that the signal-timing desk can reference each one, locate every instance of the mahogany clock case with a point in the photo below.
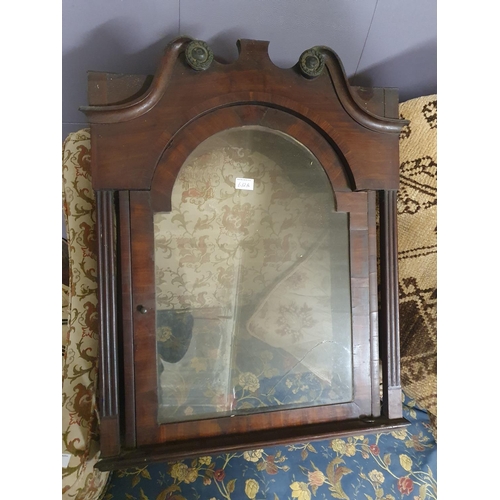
(148, 134)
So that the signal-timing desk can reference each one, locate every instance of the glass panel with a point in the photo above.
(252, 282)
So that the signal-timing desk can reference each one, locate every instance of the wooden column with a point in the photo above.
(108, 345)
(389, 313)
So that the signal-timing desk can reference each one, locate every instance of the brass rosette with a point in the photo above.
(312, 63)
(199, 55)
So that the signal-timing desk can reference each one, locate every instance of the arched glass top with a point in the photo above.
(253, 308)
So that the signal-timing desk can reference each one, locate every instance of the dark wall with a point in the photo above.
(381, 42)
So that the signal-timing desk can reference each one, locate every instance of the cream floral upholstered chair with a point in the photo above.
(80, 430)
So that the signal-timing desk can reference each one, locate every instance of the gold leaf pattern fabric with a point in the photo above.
(270, 254)
(80, 438)
(297, 317)
(213, 228)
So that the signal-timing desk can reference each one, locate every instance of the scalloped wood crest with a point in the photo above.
(251, 53)
(191, 83)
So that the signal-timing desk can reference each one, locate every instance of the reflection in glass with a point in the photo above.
(252, 283)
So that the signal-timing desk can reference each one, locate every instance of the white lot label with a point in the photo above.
(244, 184)
(65, 459)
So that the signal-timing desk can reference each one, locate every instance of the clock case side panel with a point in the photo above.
(116, 384)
